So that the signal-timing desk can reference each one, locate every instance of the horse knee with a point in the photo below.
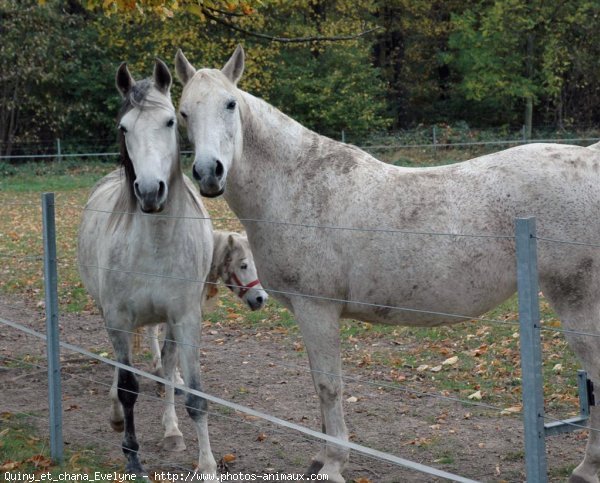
(196, 406)
(329, 391)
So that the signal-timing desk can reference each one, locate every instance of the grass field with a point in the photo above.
(481, 358)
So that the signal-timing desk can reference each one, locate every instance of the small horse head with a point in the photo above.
(147, 136)
(210, 108)
(239, 272)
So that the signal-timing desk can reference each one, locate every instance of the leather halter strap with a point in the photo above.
(243, 289)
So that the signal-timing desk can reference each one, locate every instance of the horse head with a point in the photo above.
(209, 108)
(147, 136)
(239, 272)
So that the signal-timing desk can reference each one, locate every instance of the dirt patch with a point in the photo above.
(268, 371)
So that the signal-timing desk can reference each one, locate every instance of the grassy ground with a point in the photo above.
(474, 359)
(23, 453)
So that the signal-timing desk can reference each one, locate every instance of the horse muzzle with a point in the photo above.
(151, 196)
(210, 178)
(256, 299)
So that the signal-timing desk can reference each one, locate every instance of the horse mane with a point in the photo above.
(134, 98)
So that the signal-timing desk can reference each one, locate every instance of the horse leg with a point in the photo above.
(157, 366)
(582, 314)
(186, 334)
(319, 324)
(173, 438)
(116, 409)
(587, 471)
(127, 392)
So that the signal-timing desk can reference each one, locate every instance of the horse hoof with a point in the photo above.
(172, 443)
(118, 426)
(134, 467)
(313, 469)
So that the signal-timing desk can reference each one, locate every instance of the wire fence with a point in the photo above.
(433, 139)
(303, 430)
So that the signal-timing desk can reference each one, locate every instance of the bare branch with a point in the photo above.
(223, 12)
(273, 38)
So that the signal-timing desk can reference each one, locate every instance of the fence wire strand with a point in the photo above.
(252, 412)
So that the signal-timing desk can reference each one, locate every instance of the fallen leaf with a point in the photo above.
(476, 395)
(261, 437)
(511, 410)
(436, 369)
(9, 465)
(352, 399)
(40, 461)
(228, 458)
(422, 367)
(450, 361)
(557, 369)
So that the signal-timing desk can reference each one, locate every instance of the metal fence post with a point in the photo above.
(52, 345)
(531, 352)
(58, 150)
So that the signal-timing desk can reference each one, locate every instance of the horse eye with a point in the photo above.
(244, 266)
(231, 105)
(183, 114)
(171, 122)
(122, 128)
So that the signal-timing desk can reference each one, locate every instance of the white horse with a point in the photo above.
(233, 263)
(135, 224)
(271, 168)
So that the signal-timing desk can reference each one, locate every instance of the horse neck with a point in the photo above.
(272, 141)
(218, 259)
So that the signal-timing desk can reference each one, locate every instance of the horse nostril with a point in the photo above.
(219, 170)
(195, 174)
(259, 299)
(161, 189)
(136, 188)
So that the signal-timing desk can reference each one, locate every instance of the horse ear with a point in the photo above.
(123, 80)
(185, 71)
(162, 77)
(234, 68)
(230, 241)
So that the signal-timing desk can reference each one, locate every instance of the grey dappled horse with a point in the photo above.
(271, 168)
(137, 223)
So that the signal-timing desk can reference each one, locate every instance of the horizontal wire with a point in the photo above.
(279, 431)
(566, 242)
(340, 376)
(363, 147)
(316, 297)
(302, 225)
(237, 407)
(24, 257)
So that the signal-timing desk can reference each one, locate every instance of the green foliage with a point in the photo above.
(428, 62)
(330, 92)
(53, 74)
(508, 51)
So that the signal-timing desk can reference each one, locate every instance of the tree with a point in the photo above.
(518, 51)
(49, 88)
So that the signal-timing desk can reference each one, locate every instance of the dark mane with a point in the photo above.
(135, 98)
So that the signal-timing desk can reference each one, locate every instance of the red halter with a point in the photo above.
(243, 288)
